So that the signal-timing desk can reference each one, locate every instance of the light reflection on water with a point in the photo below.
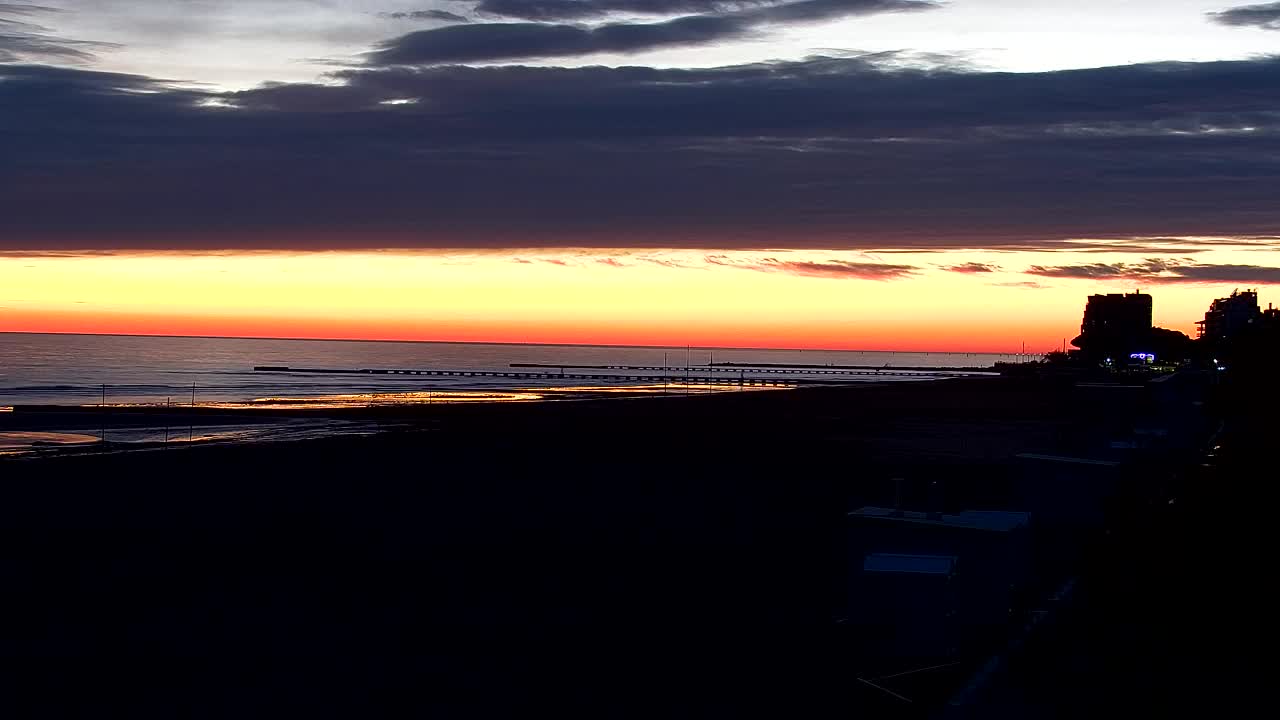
(177, 434)
(80, 369)
(168, 427)
(669, 389)
(343, 401)
(348, 400)
(333, 402)
(11, 441)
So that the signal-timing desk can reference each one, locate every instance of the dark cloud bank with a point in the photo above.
(1164, 271)
(1265, 16)
(839, 269)
(590, 9)
(852, 152)
(437, 15)
(973, 268)
(23, 37)
(504, 41)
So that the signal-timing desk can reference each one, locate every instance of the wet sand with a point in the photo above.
(12, 441)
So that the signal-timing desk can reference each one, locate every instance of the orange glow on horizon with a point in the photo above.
(672, 298)
(940, 339)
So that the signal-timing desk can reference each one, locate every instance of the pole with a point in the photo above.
(103, 409)
(688, 351)
(168, 408)
(191, 420)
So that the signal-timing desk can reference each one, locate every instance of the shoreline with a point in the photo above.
(360, 416)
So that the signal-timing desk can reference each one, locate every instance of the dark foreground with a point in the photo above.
(674, 557)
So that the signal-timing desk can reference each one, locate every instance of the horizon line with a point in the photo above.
(508, 344)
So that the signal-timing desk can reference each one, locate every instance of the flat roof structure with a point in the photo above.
(992, 520)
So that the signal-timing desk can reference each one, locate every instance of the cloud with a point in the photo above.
(509, 41)
(1145, 270)
(1091, 272)
(670, 263)
(842, 269)
(439, 15)
(847, 153)
(1265, 16)
(1022, 284)
(777, 10)
(583, 257)
(24, 40)
(973, 267)
(839, 269)
(487, 42)
(804, 11)
(546, 10)
(53, 254)
(1231, 274)
(1163, 271)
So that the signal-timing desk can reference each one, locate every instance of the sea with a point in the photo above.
(112, 371)
(40, 369)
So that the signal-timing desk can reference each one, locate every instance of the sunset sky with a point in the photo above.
(862, 174)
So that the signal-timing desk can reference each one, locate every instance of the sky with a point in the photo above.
(865, 174)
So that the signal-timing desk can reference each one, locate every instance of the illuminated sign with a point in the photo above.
(1144, 357)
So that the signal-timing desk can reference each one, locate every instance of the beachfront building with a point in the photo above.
(1230, 316)
(1119, 314)
(1116, 325)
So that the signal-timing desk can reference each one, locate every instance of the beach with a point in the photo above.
(565, 537)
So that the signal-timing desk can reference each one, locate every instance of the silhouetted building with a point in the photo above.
(1230, 316)
(1115, 325)
(1117, 314)
(1271, 319)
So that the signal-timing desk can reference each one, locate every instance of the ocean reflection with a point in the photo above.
(15, 441)
(343, 401)
(672, 388)
(350, 400)
(73, 370)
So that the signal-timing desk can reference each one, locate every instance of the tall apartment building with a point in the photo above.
(1229, 316)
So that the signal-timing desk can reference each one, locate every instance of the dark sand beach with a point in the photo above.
(673, 555)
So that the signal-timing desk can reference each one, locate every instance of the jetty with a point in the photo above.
(674, 376)
(777, 369)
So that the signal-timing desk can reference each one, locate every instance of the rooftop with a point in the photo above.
(994, 520)
(1070, 460)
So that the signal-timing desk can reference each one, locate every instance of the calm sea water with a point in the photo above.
(72, 369)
